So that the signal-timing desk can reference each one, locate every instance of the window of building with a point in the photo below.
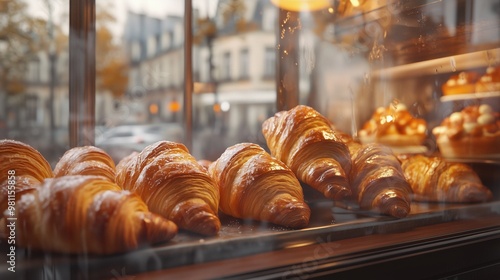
(151, 46)
(226, 66)
(269, 62)
(31, 103)
(244, 64)
(33, 74)
(166, 40)
(136, 51)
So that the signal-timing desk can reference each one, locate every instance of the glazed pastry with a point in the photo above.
(461, 83)
(434, 179)
(377, 180)
(490, 81)
(87, 160)
(473, 132)
(174, 185)
(255, 185)
(22, 168)
(394, 126)
(303, 140)
(86, 214)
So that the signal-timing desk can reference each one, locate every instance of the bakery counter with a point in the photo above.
(335, 231)
(464, 249)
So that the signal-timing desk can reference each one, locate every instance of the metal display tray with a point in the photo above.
(237, 238)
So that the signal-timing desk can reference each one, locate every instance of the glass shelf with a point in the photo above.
(469, 96)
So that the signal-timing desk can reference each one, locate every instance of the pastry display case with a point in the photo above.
(302, 140)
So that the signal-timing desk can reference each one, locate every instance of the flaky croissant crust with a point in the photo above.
(290, 131)
(86, 160)
(435, 179)
(87, 214)
(303, 139)
(255, 185)
(173, 184)
(378, 181)
(23, 160)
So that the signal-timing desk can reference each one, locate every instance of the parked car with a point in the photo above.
(120, 141)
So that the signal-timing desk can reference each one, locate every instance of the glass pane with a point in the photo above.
(34, 74)
(235, 89)
(139, 73)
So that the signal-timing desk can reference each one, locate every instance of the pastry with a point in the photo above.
(87, 160)
(23, 160)
(205, 163)
(22, 168)
(85, 214)
(173, 184)
(257, 186)
(434, 179)
(377, 180)
(394, 126)
(490, 81)
(303, 140)
(461, 83)
(473, 132)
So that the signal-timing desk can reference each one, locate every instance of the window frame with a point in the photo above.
(82, 72)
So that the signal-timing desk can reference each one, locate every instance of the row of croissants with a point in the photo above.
(89, 205)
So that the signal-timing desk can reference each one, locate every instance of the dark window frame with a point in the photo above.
(82, 72)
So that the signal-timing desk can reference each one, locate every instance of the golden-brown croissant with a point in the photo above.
(435, 179)
(23, 160)
(303, 140)
(174, 185)
(22, 168)
(377, 180)
(85, 214)
(87, 160)
(257, 186)
(205, 163)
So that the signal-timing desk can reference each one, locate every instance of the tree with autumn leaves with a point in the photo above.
(112, 66)
(24, 36)
(17, 45)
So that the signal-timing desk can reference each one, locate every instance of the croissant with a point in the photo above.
(205, 163)
(22, 168)
(24, 160)
(85, 214)
(255, 185)
(377, 180)
(304, 141)
(174, 185)
(87, 160)
(435, 179)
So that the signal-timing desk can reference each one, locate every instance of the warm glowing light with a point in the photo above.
(153, 109)
(174, 106)
(355, 3)
(217, 107)
(224, 106)
(301, 5)
(331, 10)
